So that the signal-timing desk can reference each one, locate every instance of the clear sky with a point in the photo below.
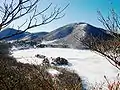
(78, 11)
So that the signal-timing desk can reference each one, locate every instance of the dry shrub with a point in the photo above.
(18, 76)
(114, 85)
(107, 84)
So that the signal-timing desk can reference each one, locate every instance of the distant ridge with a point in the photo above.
(26, 35)
(63, 35)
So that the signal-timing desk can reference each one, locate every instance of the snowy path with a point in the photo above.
(89, 65)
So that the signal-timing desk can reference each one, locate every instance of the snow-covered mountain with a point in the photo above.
(60, 32)
(64, 35)
(33, 36)
(24, 36)
(10, 31)
(68, 33)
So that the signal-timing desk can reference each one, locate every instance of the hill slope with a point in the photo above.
(25, 36)
(67, 34)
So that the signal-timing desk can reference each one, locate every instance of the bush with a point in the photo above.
(60, 61)
(45, 62)
(40, 56)
(5, 48)
(108, 84)
(18, 76)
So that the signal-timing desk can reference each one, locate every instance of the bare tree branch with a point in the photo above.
(17, 9)
(110, 49)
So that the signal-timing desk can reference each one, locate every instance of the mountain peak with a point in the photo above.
(67, 34)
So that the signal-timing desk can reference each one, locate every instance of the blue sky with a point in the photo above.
(78, 11)
(81, 11)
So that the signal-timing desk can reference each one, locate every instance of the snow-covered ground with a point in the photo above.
(89, 65)
(48, 42)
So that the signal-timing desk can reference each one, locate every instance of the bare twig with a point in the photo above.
(17, 9)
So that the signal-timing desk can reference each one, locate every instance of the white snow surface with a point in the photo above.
(48, 42)
(90, 66)
(53, 72)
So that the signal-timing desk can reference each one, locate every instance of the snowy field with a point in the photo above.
(90, 66)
